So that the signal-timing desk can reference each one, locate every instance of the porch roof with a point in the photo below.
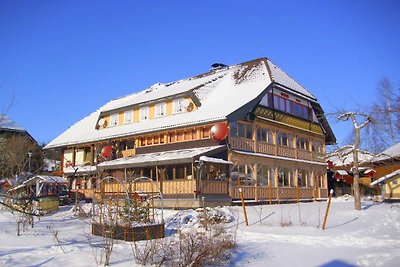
(162, 158)
(387, 178)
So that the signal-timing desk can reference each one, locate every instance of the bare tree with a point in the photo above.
(19, 154)
(385, 131)
(355, 149)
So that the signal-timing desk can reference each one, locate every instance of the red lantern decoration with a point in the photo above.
(106, 151)
(219, 132)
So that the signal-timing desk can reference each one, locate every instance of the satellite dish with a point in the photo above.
(106, 151)
(190, 107)
(186, 103)
(219, 131)
(102, 122)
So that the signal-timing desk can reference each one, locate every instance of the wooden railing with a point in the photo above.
(304, 154)
(274, 193)
(317, 156)
(188, 187)
(271, 149)
(323, 192)
(241, 144)
(215, 187)
(266, 148)
(285, 151)
(179, 187)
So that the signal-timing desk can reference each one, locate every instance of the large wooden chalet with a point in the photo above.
(274, 149)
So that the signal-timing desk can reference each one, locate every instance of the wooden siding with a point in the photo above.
(288, 119)
(215, 187)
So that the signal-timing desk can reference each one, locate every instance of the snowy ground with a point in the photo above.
(277, 235)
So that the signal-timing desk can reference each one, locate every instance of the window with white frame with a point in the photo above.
(160, 110)
(128, 116)
(144, 113)
(114, 119)
(178, 105)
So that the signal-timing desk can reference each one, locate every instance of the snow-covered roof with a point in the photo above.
(43, 179)
(79, 169)
(344, 156)
(215, 160)
(7, 124)
(341, 172)
(390, 153)
(387, 178)
(281, 77)
(160, 158)
(219, 92)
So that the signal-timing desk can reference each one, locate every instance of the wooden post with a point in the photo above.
(244, 207)
(296, 175)
(327, 209)
(270, 191)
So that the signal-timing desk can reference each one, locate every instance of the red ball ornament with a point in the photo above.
(219, 131)
(106, 151)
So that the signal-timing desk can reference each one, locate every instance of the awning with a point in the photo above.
(162, 158)
(387, 178)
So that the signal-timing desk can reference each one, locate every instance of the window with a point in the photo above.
(284, 104)
(265, 176)
(128, 116)
(302, 143)
(245, 130)
(284, 139)
(285, 177)
(302, 178)
(317, 147)
(144, 113)
(160, 110)
(178, 106)
(264, 135)
(114, 119)
(244, 173)
(233, 129)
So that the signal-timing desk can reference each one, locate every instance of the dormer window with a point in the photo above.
(128, 116)
(178, 105)
(160, 110)
(114, 119)
(144, 113)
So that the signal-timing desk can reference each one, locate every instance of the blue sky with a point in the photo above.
(64, 59)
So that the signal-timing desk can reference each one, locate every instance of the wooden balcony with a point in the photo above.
(304, 154)
(285, 151)
(318, 156)
(271, 149)
(265, 148)
(187, 188)
(274, 193)
(241, 144)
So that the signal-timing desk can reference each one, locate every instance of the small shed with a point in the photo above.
(45, 189)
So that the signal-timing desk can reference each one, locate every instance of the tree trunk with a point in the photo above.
(356, 180)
